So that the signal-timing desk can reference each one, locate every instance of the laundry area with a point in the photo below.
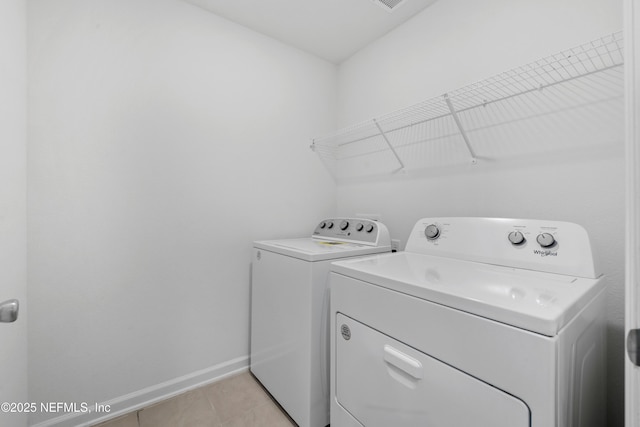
(347, 212)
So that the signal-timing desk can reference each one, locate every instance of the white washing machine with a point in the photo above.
(480, 322)
(290, 308)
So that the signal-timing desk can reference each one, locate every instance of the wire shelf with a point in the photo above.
(520, 110)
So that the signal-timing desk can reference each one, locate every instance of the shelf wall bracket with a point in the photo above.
(456, 119)
(393, 150)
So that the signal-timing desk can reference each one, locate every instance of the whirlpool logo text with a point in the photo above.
(545, 253)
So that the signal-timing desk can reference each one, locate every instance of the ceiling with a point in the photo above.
(331, 29)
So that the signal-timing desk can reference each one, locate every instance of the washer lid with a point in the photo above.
(536, 301)
(312, 249)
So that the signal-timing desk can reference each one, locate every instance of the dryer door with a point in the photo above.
(382, 382)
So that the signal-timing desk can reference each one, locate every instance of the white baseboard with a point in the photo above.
(147, 396)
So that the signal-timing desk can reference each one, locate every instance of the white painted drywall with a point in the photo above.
(13, 204)
(454, 43)
(162, 141)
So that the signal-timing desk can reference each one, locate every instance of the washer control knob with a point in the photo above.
(323, 224)
(330, 224)
(359, 227)
(370, 228)
(546, 240)
(432, 232)
(344, 225)
(516, 238)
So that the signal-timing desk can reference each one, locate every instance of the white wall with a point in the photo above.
(13, 194)
(163, 140)
(454, 43)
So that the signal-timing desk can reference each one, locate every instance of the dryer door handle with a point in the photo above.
(403, 361)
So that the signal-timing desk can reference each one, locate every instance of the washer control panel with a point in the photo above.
(355, 230)
(551, 246)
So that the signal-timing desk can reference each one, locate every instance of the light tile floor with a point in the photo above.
(238, 401)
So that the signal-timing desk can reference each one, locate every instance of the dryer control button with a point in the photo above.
(370, 228)
(516, 238)
(546, 240)
(359, 227)
(330, 224)
(323, 224)
(344, 225)
(432, 232)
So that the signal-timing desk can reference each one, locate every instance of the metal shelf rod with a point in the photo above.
(396, 129)
(460, 127)
(380, 150)
(539, 88)
(393, 150)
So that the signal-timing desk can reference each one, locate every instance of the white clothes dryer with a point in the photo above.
(290, 308)
(480, 322)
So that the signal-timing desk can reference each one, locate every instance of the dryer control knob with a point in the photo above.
(330, 224)
(359, 227)
(370, 228)
(344, 225)
(323, 224)
(546, 240)
(432, 232)
(516, 238)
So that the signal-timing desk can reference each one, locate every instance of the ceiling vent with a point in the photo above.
(389, 5)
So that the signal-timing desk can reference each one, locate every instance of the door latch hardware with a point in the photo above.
(633, 341)
(9, 311)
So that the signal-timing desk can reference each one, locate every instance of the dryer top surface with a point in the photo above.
(537, 301)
